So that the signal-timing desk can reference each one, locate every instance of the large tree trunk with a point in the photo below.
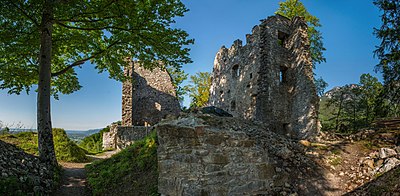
(46, 145)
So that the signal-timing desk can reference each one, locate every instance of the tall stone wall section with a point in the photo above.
(269, 79)
(149, 97)
(146, 99)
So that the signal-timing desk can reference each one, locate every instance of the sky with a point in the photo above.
(347, 29)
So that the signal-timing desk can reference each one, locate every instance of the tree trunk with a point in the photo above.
(45, 135)
(339, 110)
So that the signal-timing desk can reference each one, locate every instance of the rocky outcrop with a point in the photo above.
(22, 173)
(209, 155)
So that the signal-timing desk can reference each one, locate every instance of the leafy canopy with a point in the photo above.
(199, 90)
(103, 32)
(388, 52)
(292, 8)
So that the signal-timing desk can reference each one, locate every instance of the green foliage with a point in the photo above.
(103, 32)
(388, 52)
(94, 143)
(134, 169)
(178, 76)
(199, 90)
(66, 150)
(25, 140)
(321, 85)
(352, 107)
(292, 8)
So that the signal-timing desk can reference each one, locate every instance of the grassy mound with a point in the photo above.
(133, 171)
(94, 143)
(66, 149)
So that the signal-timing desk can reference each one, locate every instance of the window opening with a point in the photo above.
(282, 38)
(233, 106)
(235, 71)
(282, 75)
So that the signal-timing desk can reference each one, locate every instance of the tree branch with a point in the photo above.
(82, 61)
(98, 28)
(24, 13)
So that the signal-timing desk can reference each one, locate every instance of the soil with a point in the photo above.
(73, 180)
(343, 160)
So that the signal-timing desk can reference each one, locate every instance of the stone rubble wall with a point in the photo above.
(209, 155)
(120, 137)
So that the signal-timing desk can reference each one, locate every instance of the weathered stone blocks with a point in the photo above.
(210, 155)
(270, 79)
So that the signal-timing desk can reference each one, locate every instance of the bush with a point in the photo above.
(94, 143)
(133, 170)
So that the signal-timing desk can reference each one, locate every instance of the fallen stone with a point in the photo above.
(386, 153)
(389, 164)
(369, 163)
(305, 143)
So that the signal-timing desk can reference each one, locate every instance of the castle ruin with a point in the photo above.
(149, 97)
(146, 99)
(270, 79)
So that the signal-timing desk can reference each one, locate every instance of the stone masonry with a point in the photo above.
(210, 155)
(146, 99)
(120, 137)
(149, 97)
(270, 79)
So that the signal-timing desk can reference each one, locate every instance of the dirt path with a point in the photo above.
(73, 181)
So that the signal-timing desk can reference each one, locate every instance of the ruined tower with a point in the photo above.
(270, 78)
(149, 97)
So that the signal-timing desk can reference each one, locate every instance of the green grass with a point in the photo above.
(133, 170)
(94, 143)
(66, 149)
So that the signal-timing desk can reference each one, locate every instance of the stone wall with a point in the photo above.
(269, 79)
(119, 137)
(149, 97)
(209, 155)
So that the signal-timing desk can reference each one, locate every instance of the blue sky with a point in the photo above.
(347, 27)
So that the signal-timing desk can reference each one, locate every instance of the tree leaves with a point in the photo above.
(103, 32)
(199, 90)
(292, 8)
(388, 52)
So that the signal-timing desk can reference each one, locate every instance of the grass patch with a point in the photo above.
(66, 149)
(335, 160)
(133, 170)
(94, 143)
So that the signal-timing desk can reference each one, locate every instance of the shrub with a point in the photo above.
(134, 169)
(94, 143)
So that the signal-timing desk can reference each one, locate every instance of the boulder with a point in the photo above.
(389, 164)
(386, 153)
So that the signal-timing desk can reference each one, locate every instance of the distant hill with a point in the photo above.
(75, 135)
(85, 133)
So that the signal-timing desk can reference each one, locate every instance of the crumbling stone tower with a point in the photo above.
(148, 98)
(270, 79)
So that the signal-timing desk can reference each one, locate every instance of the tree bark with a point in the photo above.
(44, 127)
